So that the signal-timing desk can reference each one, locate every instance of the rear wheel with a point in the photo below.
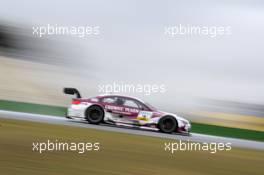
(94, 114)
(167, 124)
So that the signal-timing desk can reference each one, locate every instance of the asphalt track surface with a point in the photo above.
(76, 123)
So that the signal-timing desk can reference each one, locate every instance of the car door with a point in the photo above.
(131, 108)
(120, 109)
(135, 112)
(112, 108)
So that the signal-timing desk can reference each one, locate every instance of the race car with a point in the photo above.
(124, 111)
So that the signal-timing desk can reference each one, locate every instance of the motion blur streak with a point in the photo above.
(215, 80)
(207, 80)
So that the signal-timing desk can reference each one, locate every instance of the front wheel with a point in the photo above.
(94, 114)
(167, 124)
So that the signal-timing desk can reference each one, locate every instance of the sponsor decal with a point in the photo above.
(144, 115)
(121, 109)
(114, 108)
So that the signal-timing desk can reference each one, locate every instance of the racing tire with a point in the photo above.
(167, 124)
(94, 114)
(68, 117)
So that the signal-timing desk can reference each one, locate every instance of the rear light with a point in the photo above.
(76, 102)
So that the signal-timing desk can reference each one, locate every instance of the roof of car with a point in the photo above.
(118, 95)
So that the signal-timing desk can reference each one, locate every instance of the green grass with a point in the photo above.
(196, 127)
(227, 131)
(119, 154)
(32, 108)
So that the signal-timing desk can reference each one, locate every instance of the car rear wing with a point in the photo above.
(72, 91)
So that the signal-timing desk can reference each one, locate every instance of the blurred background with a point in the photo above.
(216, 80)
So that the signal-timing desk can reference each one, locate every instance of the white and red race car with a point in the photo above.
(124, 111)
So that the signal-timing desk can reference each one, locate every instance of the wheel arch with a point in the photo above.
(98, 105)
(168, 115)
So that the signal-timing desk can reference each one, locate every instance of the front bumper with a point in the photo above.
(186, 128)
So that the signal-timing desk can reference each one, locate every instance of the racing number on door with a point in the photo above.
(144, 115)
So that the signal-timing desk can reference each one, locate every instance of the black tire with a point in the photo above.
(94, 114)
(68, 117)
(167, 124)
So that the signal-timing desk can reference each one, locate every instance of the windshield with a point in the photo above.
(150, 106)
